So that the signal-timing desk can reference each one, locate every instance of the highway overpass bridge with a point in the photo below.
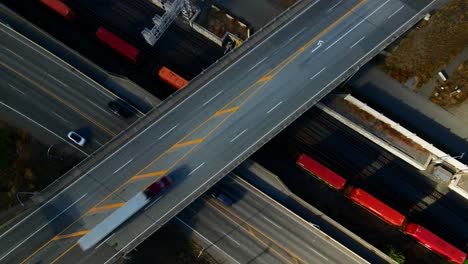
(223, 116)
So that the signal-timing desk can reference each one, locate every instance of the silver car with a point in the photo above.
(76, 138)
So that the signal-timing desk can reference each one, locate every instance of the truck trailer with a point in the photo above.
(122, 214)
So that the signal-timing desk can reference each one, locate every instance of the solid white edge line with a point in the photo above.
(212, 98)
(238, 135)
(70, 185)
(50, 131)
(126, 163)
(169, 131)
(201, 88)
(58, 61)
(274, 107)
(46, 224)
(279, 124)
(355, 26)
(263, 136)
(206, 239)
(286, 211)
(296, 218)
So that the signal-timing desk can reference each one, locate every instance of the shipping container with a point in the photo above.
(118, 44)
(59, 7)
(322, 172)
(172, 78)
(377, 207)
(435, 243)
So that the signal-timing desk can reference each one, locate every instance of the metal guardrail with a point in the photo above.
(237, 53)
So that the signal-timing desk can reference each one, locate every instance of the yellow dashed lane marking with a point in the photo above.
(148, 175)
(265, 78)
(268, 77)
(229, 110)
(188, 143)
(75, 234)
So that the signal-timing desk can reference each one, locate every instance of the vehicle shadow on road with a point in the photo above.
(60, 213)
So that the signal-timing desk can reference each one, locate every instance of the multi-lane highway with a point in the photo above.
(255, 228)
(203, 136)
(40, 89)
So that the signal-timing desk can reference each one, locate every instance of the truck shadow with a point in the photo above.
(60, 213)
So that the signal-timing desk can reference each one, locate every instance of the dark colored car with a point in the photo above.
(120, 109)
(224, 198)
(158, 187)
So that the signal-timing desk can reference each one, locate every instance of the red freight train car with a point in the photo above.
(59, 7)
(435, 243)
(317, 169)
(376, 206)
(172, 78)
(118, 44)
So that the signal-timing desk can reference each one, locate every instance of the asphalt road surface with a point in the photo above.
(253, 229)
(256, 229)
(39, 88)
(202, 136)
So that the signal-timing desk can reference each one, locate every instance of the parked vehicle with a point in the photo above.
(435, 243)
(383, 211)
(60, 8)
(172, 78)
(76, 138)
(325, 174)
(119, 45)
(377, 207)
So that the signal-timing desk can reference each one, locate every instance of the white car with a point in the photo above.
(76, 138)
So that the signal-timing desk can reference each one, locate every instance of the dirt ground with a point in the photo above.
(429, 47)
(24, 165)
(455, 90)
(218, 23)
(169, 245)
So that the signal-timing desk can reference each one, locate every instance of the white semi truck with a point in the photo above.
(122, 214)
